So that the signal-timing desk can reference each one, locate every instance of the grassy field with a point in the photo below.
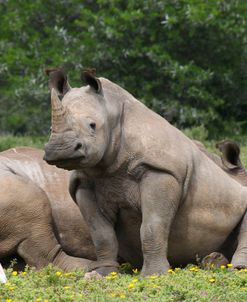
(189, 284)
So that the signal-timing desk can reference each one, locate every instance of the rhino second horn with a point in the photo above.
(58, 112)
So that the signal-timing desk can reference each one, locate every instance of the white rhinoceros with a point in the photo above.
(38, 219)
(144, 188)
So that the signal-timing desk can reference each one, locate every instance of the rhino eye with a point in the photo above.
(92, 125)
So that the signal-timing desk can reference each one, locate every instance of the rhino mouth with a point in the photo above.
(66, 163)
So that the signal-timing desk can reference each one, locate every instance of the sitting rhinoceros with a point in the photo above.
(38, 219)
(144, 188)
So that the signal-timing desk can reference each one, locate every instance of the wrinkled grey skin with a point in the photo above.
(230, 162)
(34, 207)
(145, 189)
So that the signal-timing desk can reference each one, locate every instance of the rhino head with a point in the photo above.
(82, 122)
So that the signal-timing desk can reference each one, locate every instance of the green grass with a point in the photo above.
(9, 141)
(190, 284)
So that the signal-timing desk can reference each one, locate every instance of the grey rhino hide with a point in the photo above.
(38, 219)
(230, 162)
(146, 191)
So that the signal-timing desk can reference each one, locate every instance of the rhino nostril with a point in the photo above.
(78, 146)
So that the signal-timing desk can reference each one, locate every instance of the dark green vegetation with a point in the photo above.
(186, 59)
(190, 284)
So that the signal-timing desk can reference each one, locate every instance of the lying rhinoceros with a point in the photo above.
(229, 160)
(34, 207)
(144, 188)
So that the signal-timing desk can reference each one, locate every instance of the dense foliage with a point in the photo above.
(186, 59)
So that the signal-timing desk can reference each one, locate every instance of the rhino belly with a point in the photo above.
(197, 232)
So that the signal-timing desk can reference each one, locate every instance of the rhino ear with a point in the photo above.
(89, 77)
(58, 81)
(230, 154)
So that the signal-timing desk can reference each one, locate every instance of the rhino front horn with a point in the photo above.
(58, 112)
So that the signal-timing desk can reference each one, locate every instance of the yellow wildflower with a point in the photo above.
(8, 300)
(243, 288)
(131, 285)
(194, 269)
(243, 270)
(38, 299)
(113, 273)
(67, 274)
(7, 283)
(222, 266)
(171, 271)
(58, 274)
(24, 273)
(14, 273)
(155, 286)
(135, 270)
(134, 280)
(122, 296)
(153, 277)
(12, 287)
(177, 269)
(46, 300)
(229, 264)
(212, 280)
(66, 287)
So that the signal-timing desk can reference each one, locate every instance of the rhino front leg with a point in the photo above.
(101, 230)
(160, 196)
(239, 259)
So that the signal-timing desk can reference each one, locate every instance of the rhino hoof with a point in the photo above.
(214, 260)
(239, 266)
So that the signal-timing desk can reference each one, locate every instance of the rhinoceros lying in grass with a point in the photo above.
(34, 206)
(144, 188)
(229, 160)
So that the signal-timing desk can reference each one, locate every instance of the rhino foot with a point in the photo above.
(240, 266)
(239, 261)
(104, 267)
(214, 260)
(104, 271)
(156, 270)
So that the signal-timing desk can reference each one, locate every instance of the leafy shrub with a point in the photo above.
(185, 59)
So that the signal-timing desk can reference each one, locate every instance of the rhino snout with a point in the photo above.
(54, 154)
